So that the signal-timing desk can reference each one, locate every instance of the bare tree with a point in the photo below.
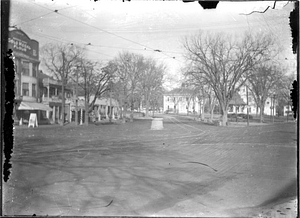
(284, 88)
(225, 62)
(151, 80)
(60, 60)
(93, 81)
(128, 68)
(262, 82)
(203, 91)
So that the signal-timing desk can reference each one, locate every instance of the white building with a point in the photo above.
(180, 101)
(101, 109)
(252, 105)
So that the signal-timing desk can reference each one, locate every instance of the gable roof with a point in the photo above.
(236, 100)
(179, 91)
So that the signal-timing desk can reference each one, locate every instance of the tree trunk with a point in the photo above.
(131, 112)
(86, 113)
(125, 113)
(212, 112)
(261, 110)
(224, 113)
(256, 110)
(224, 118)
(147, 107)
(200, 114)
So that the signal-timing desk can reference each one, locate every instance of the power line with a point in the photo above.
(40, 16)
(121, 37)
(90, 44)
(71, 42)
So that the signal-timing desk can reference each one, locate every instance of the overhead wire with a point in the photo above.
(71, 42)
(40, 16)
(108, 32)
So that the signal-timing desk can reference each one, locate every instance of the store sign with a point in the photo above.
(33, 120)
(20, 42)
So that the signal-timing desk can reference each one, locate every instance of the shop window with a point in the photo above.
(52, 91)
(33, 90)
(25, 89)
(25, 68)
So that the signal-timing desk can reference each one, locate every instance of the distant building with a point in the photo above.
(241, 107)
(180, 100)
(51, 95)
(253, 109)
(101, 109)
(287, 110)
(26, 53)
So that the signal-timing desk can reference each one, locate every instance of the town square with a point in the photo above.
(151, 108)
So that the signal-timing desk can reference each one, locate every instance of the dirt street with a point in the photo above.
(186, 169)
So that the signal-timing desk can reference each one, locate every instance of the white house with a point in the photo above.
(180, 100)
(270, 102)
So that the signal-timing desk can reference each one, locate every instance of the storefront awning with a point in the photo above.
(33, 106)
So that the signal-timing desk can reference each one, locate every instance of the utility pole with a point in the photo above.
(76, 99)
(273, 107)
(86, 101)
(247, 106)
(110, 102)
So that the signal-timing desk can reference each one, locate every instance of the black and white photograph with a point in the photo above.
(151, 108)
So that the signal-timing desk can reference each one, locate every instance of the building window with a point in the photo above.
(25, 89)
(168, 99)
(33, 90)
(25, 68)
(34, 70)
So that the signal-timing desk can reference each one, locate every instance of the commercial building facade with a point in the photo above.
(51, 95)
(26, 57)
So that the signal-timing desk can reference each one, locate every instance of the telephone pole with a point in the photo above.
(76, 98)
(247, 106)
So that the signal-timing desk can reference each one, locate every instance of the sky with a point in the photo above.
(106, 28)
